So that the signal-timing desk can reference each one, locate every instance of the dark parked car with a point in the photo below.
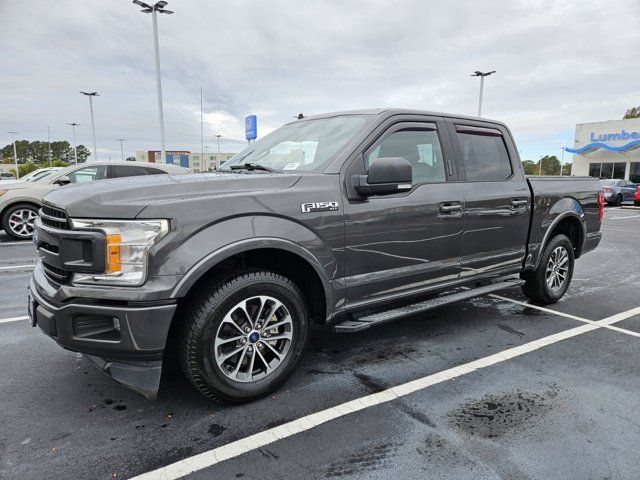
(617, 191)
(351, 219)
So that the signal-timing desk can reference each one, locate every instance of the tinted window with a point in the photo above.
(484, 154)
(127, 171)
(156, 171)
(88, 174)
(607, 170)
(619, 169)
(421, 148)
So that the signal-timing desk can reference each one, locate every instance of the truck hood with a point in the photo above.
(125, 198)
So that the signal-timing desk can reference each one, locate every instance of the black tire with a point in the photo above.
(203, 320)
(536, 286)
(22, 232)
(618, 201)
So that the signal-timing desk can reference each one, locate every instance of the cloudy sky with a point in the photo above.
(558, 64)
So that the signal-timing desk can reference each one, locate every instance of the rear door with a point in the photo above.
(497, 200)
(410, 242)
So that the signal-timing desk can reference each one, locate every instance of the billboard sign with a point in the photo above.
(251, 127)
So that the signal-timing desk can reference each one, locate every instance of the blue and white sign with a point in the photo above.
(251, 127)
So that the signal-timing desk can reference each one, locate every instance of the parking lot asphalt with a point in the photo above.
(566, 409)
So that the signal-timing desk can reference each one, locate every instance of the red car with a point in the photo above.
(636, 197)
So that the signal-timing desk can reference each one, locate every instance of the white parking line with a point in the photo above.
(18, 266)
(266, 437)
(622, 218)
(562, 314)
(13, 319)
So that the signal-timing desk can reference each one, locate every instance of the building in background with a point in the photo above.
(607, 149)
(185, 158)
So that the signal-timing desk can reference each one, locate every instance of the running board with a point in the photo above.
(362, 323)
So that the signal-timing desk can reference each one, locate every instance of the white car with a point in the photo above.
(21, 200)
(35, 175)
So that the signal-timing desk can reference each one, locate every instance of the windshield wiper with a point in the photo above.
(251, 166)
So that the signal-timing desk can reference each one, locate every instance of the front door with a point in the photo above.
(400, 244)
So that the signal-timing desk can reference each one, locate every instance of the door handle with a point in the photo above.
(451, 209)
(519, 202)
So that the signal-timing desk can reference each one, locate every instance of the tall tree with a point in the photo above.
(550, 165)
(633, 112)
(83, 154)
(530, 167)
(22, 146)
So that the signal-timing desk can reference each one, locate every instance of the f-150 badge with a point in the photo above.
(319, 207)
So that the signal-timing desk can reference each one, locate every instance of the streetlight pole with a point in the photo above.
(540, 169)
(201, 132)
(481, 75)
(15, 153)
(49, 145)
(75, 149)
(218, 136)
(121, 140)
(562, 162)
(158, 7)
(93, 125)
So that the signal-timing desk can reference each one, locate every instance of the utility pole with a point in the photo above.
(121, 140)
(93, 125)
(15, 153)
(218, 136)
(153, 10)
(201, 133)
(481, 75)
(75, 149)
(49, 146)
(562, 162)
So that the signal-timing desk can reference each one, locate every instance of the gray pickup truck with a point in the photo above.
(351, 219)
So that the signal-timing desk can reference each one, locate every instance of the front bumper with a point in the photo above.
(126, 341)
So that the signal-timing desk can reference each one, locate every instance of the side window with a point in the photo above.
(420, 147)
(88, 174)
(155, 171)
(127, 171)
(484, 154)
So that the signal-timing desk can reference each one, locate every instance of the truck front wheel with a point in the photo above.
(243, 337)
(549, 282)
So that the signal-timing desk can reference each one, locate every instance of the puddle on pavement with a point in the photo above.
(501, 414)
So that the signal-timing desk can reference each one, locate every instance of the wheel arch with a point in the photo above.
(569, 223)
(275, 254)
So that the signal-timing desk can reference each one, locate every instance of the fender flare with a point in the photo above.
(205, 264)
(564, 215)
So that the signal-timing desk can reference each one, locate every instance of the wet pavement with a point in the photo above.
(566, 410)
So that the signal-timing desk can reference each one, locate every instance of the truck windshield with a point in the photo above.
(302, 146)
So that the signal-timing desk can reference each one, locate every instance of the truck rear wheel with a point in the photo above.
(550, 281)
(243, 337)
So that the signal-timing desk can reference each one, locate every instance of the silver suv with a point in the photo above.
(21, 200)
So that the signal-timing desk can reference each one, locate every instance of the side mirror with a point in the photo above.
(386, 176)
(63, 180)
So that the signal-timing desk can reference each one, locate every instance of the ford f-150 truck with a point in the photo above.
(351, 219)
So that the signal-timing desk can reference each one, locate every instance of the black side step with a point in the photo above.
(362, 323)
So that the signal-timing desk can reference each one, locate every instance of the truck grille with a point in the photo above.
(54, 217)
(56, 275)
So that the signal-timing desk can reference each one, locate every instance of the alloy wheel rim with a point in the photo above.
(253, 339)
(21, 222)
(557, 270)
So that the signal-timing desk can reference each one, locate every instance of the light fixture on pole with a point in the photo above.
(121, 140)
(49, 145)
(75, 149)
(481, 75)
(154, 9)
(15, 153)
(218, 136)
(93, 125)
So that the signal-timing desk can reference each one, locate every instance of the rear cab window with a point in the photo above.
(483, 153)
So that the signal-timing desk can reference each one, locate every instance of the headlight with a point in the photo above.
(126, 250)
